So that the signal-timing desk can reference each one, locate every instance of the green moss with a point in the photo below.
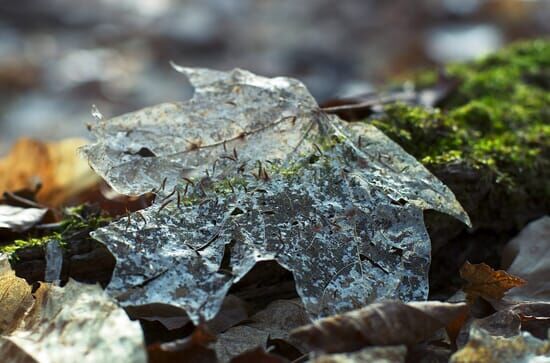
(76, 220)
(263, 172)
(498, 119)
(18, 244)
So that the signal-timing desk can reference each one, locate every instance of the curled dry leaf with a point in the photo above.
(76, 323)
(384, 323)
(483, 281)
(390, 354)
(341, 208)
(19, 219)
(56, 166)
(484, 347)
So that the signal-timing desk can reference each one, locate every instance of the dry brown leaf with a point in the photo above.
(56, 165)
(390, 354)
(15, 297)
(274, 322)
(258, 355)
(170, 317)
(385, 323)
(232, 312)
(485, 282)
(193, 349)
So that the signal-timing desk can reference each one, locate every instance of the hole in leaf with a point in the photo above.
(225, 264)
(400, 201)
(237, 211)
(265, 282)
(143, 152)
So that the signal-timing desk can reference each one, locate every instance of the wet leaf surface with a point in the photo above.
(340, 207)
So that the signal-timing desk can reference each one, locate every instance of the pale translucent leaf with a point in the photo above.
(76, 323)
(338, 206)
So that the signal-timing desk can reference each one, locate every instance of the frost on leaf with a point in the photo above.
(338, 206)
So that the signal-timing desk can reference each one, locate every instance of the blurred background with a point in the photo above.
(59, 57)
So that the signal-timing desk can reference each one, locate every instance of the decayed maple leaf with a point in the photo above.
(230, 111)
(483, 281)
(338, 206)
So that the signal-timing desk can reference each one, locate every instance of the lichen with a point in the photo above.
(496, 121)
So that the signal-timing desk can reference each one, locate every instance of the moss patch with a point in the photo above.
(76, 220)
(497, 120)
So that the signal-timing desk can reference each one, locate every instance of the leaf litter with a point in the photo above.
(250, 169)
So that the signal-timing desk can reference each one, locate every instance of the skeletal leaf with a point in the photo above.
(261, 117)
(76, 323)
(338, 206)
